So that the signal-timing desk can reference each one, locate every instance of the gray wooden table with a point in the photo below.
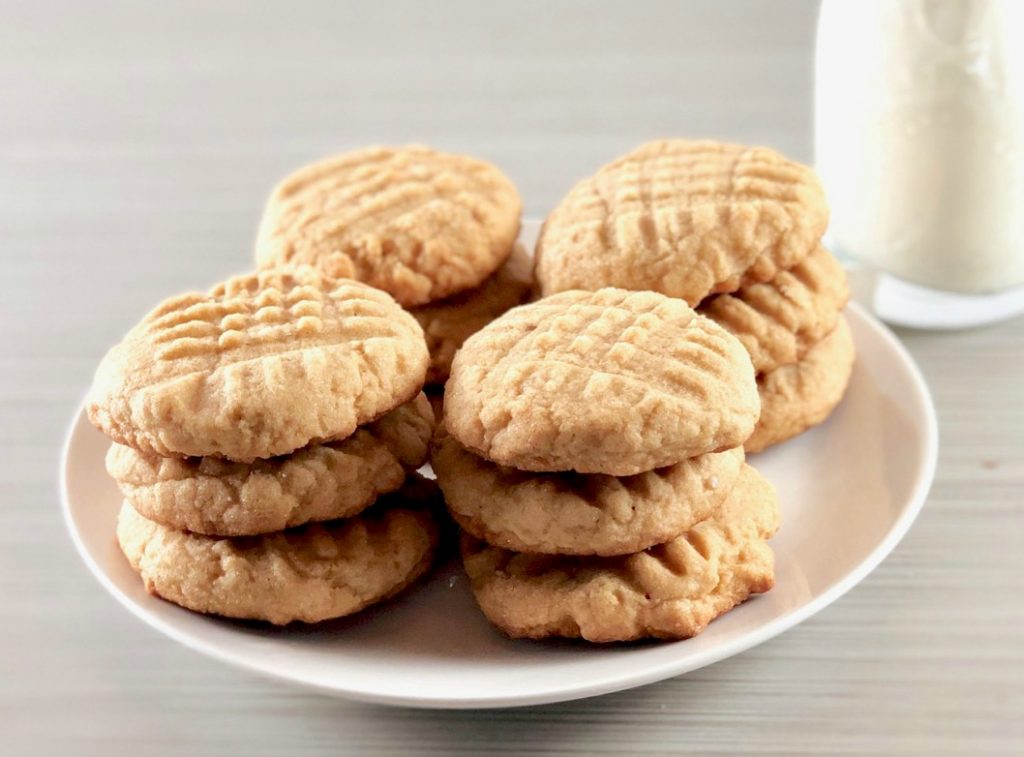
(137, 144)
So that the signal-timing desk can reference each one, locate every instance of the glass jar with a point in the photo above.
(919, 138)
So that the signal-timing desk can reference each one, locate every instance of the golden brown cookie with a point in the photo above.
(801, 395)
(670, 591)
(412, 221)
(683, 218)
(311, 573)
(577, 513)
(779, 320)
(260, 366)
(449, 322)
(217, 497)
(609, 382)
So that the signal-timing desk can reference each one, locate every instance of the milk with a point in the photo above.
(919, 137)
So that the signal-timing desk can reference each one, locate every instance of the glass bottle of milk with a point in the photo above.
(919, 140)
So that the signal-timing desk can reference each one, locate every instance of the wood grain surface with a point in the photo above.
(137, 143)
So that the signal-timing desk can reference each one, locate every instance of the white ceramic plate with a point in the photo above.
(849, 490)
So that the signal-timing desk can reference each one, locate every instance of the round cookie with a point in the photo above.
(801, 395)
(779, 320)
(412, 221)
(671, 591)
(260, 366)
(208, 495)
(449, 322)
(611, 382)
(575, 513)
(684, 218)
(312, 573)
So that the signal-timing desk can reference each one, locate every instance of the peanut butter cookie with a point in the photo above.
(670, 591)
(412, 221)
(779, 320)
(801, 395)
(683, 218)
(208, 495)
(312, 573)
(576, 513)
(449, 322)
(260, 366)
(611, 382)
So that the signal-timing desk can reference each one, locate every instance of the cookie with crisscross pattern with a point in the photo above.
(311, 573)
(415, 222)
(799, 396)
(669, 591)
(209, 495)
(259, 366)
(611, 382)
(779, 320)
(580, 513)
(685, 218)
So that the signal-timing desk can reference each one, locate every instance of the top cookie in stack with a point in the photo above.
(735, 231)
(259, 366)
(434, 230)
(272, 401)
(594, 427)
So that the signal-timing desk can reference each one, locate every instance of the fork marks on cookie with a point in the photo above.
(262, 310)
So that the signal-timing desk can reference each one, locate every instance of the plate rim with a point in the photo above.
(590, 688)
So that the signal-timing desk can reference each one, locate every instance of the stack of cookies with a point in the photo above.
(592, 453)
(798, 340)
(253, 427)
(436, 231)
(734, 231)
